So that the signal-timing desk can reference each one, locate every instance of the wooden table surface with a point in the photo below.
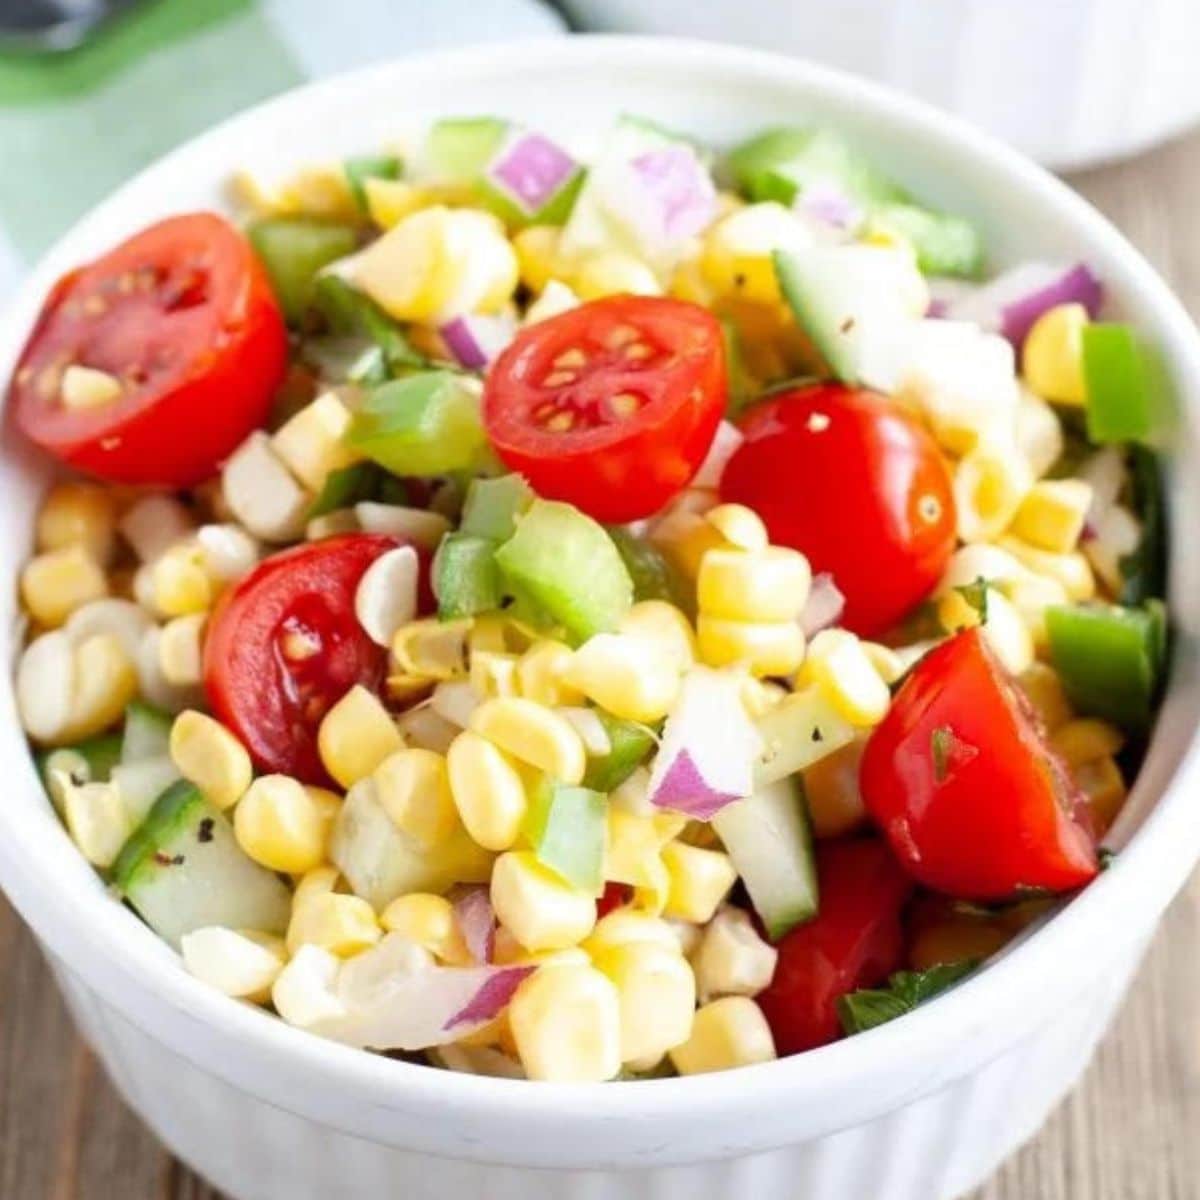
(1128, 1133)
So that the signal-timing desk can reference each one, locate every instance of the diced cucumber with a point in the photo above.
(458, 149)
(362, 167)
(945, 244)
(90, 761)
(565, 826)
(492, 506)
(380, 863)
(147, 733)
(768, 838)
(293, 250)
(801, 729)
(183, 870)
(426, 424)
(140, 783)
(630, 744)
(568, 566)
(466, 579)
(653, 576)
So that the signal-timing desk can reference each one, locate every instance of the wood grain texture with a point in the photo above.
(1127, 1133)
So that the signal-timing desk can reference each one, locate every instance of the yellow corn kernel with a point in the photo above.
(541, 672)
(1105, 789)
(732, 960)
(633, 851)
(989, 486)
(1044, 690)
(1052, 358)
(831, 792)
(1072, 570)
(429, 921)
(699, 881)
(566, 1023)
(840, 667)
(1085, 740)
(613, 273)
(885, 660)
(389, 201)
(625, 925)
(103, 680)
(1008, 634)
(86, 388)
(318, 190)
(1052, 514)
(356, 735)
(493, 675)
(342, 924)
(315, 883)
(736, 259)
(760, 696)
(413, 787)
(765, 647)
(408, 270)
(628, 676)
(688, 283)
(311, 443)
(487, 789)
(432, 649)
(537, 255)
(533, 734)
(180, 583)
(282, 825)
(536, 906)
(180, 647)
(657, 992)
(730, 1032)
(211, 757)
(55, 584)
(663, 624)
(739, 526)
(764, 585)
(1031, 596)
(97, 819)
(487, 635)
(684, 537)
(78, 514)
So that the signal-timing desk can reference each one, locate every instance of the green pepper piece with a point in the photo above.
(293, 250)
(1116, 384)
(466, 578)
(565, 826)
(629, 742)
(492, 506)
(362, 167)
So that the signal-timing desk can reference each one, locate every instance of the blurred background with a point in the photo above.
(1104, 90)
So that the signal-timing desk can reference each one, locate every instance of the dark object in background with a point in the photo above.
(53, 25)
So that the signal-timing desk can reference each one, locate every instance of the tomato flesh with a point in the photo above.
(611, 406)
(962, 781)
(182, 315)
(284, 645)
(858, 486)
(856, 940)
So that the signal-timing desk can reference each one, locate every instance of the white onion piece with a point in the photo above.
(475, 340)
(386, 597)
(725, 443)
(454, 700)
(825, 605)
(416, 525)
(1106, 472)
(530, 170)
(709, 746)
(477, 923)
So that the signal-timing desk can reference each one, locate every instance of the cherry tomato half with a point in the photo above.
(961, 780)
(852, 481)
(183, 317)
(856, 940)
(611, 406)
(284, 645)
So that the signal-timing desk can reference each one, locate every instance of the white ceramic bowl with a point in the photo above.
(919, 1109)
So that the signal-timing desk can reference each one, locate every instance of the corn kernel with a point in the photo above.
(989, 486)
(355, 736)
(1044, 690)
(633, 855)
(211, 757)
(180, 582)
(493, 675)
(732, 960)
(1052, 357)
(657, 992)
(1052, 514)
(764, 647)
(488, 791)
(389, 201)
(737, 253)
(537, 255)
(1031, 596)
(839, 666)
(55, 584)
(78, 514)
(104, 681)
(312, 442)
(761, 695)
(413, 787)
(432, 649)
(97, 820)
(261, 492)
(566, 1022)
(305, 993)
(764, 585)
(1008, 635)
(699, 881)
(342, 924)
(242, 965)
(726, 1033)
(533, 734)
(738, 525)
(684, 537)
(429, 921)
(625, 925)
(1104, 787)
(663, 624)
(831, 792)
(613, 273)
(282, 825)
(627, 676)
(1085, 740)
(1072, 570)
(887, 663)
(180, 650)
(317, 882)
(86, 388)
(540, 910)
(541, 672)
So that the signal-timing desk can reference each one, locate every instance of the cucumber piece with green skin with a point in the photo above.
(945, 244)
(569, 567)
(769, 840)
(466, 579)
(492, 506)
(565, 826)
(140, 783)
(653, 576)
(147, 732)
(90, 761)
(293, 250)
(183, 870)
(630, 744)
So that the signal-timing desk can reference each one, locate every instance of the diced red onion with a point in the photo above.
(709, 746)
(530, 170)
(724, 444)
(825, 605)
(677, 189)
(828, 205)
(476, 340)
(477, 923)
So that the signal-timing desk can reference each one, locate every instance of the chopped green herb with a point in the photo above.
(940, 741)
(976, 595)
(1144, 571)
(347, 311)
(869, 1007)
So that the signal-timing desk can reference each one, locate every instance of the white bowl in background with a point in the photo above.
(1069, 82)
(921, 1109)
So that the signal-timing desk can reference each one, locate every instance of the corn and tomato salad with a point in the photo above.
(589, 620)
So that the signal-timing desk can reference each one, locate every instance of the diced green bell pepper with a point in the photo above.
(565, 826)
(1120, 404)
(369, 166)
(492, 506)
(629, 744)
(653, 577)
(466, 578)
(293, 250)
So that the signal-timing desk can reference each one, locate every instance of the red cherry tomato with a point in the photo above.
(852, 481)
(183, 316)
(284, 645)
(614, 896)
(856, 940)
(611, 406)
(961, 779)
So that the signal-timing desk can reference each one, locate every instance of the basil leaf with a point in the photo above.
(1144, 570)
(868, 1007)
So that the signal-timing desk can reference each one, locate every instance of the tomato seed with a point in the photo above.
(570, 358)
(558, 378)
(561, 422)
(624, 404)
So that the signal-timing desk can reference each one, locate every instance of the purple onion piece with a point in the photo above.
(475, 340)
(1076, 286)
(477, 923)
(684, 789)
(530, 171)
(488, 1002)
(678, 189)
(829, 205)
(825, 605)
